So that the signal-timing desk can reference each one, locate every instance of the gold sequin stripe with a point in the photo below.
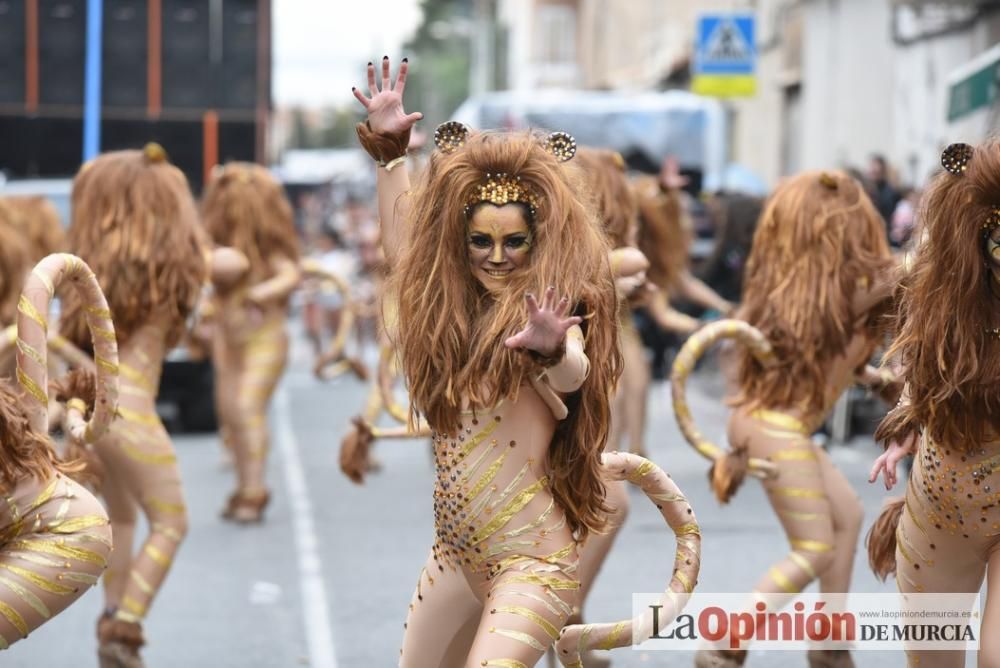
(157, 555)
(78, 524)
(31, 387)
(611, 641)
(167, 532)
(476, 440)
(503, 548)
(685, 581)
(503, 663)
(794, 455)
(58, 549)
(25, 306)
(15, 619)
(805, 517)
(513, 507)
(135, 376)
(803, 563)
(641, 471)
(25, 348)
(39, 581)
(27, 596)
(132, 606)
(521, 637)
(480, 458)
(135, 454)
(781, 420)
(561, 609)
(531, 616)
(550, 582)
(534, 524)
(782, 581)
(487, 504)
(901, 536)
(810, 545)
(138, 417)
(46, 494)
(485, 479)
(166, 507)
(798, 492)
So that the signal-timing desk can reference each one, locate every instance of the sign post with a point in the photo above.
(975, 85)
(725, 58)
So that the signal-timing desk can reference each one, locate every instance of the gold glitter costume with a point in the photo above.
(55, 539)
(135, 223)
(244, 208)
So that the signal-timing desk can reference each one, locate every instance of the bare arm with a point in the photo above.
(668, 318)
(385, 136)
(277, 288)
(699, 293)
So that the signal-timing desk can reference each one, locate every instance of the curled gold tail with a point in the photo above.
(333, 362)
(728, 468)
(32, 346)
(662, 491)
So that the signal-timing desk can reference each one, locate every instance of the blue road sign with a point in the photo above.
(725, 45)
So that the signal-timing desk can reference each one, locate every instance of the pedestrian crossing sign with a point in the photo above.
(725, 57)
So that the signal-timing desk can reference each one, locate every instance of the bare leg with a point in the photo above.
(635, 385)
(442, 604)
(847, 514)
(989, 636)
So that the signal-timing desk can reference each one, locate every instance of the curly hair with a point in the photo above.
(948, 311)
(136, 225)
(664, 238)
(38, 219)
(604, 174)
(15, 262)
(245, 207)
(818, 243)
(451, 330)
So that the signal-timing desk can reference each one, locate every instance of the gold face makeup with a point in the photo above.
(499, 242)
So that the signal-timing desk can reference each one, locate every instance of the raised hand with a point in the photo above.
(385, 107)
(887, 461)
(547, 325)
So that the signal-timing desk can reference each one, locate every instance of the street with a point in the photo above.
(326, 580)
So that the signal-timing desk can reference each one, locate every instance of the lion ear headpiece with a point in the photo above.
(955, 160)
(501, 188)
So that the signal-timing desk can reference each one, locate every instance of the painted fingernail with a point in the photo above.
(406, 60)
(353, 88)
(385, 57)
(370, 63)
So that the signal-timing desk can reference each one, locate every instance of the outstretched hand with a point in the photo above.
(887, 461)
(385, 107)
(546, 330)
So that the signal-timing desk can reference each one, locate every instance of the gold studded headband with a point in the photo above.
(501, 188)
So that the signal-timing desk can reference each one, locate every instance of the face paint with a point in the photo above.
(499, 242)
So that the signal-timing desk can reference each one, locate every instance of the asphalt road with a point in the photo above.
(325, 582)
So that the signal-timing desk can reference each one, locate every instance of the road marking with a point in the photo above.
(315, 609)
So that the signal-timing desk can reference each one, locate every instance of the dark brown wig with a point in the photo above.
(949, 308)
(819, 243)
(451, 330)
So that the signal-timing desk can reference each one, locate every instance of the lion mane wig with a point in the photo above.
(604, 174)
(663, 236)
(451, 330)
(244, 207)
(38, 219)
(15, 261)
(948, 309)
(136, 225)
(819, 242)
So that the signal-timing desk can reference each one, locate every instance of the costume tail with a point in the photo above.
(335, 354)
(728, 467)
(32, 326)
(661, 490)
(881, 539)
